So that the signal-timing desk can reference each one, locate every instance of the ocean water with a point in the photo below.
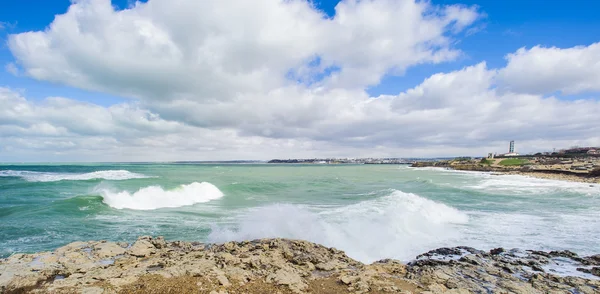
(370, 211)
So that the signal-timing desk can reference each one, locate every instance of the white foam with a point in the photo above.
(155, 197)
(399, 226)
(574, 231)
(33, 176)
(529, 185)
(566, 267)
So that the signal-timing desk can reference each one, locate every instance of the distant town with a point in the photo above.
(580, 164)
(573, 151)
(349, 160)
(575, 163)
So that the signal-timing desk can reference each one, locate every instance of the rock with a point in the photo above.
(25, 280)
(327, 266)
(458, 291)
(441, 251)
(93, 267)
(223, 280)
(348, 279)
(159, 242)
(496, 251)
(141, 248)
(108, 249)
(92, 290)
(472, 259)
(288, 278)
(437, 288)
(229, 246)
(595, 259)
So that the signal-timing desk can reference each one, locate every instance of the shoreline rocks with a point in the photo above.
(560, 175)
(153, 265)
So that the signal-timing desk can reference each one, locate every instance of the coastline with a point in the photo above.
(153, 265)
(554, 176)
(548, 174)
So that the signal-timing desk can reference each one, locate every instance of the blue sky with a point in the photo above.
(509, 25)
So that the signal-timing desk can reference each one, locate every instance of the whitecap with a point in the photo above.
(155, 197)
(34, 176)
(519, 184)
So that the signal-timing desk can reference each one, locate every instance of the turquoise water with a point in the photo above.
(370, 211)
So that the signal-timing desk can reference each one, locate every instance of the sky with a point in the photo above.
(162, 80)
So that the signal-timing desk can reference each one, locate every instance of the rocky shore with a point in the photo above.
(153, 265)
(541, 172)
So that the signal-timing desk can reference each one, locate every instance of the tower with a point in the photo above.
(511, 148)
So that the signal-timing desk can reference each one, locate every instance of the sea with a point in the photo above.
(372, 212)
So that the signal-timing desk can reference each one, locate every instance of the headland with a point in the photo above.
(557, 167)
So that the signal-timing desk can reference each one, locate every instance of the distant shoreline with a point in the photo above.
(554, 172)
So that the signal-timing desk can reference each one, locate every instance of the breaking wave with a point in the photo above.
(33, 176)
(155, 197)
(398, 225)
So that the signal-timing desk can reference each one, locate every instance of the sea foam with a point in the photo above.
(155, 197)
(33, 176)
(398, 225)
(519, 184)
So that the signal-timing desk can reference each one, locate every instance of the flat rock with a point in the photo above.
(141, 248)
(108, 249)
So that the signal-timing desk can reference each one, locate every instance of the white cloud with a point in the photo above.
(214, 50)
(452, 113)
(542, 70)
(211, 80)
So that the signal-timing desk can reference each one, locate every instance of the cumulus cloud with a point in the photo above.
(262, 79)
(542, 70)
(65, 129)
(214, 50)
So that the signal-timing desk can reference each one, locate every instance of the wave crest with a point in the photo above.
(33, 176)
(155, 197)
(399, 226)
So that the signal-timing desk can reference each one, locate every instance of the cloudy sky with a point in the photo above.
(162, 80)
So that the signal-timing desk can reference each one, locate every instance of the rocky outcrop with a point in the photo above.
(556, 173)
(152, 265)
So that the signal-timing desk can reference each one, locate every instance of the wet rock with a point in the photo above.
(594, 259)
(496, 251)
(441, 251)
